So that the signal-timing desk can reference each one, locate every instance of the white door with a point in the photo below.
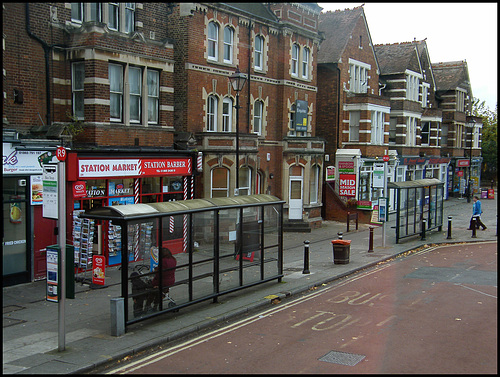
(295, 199)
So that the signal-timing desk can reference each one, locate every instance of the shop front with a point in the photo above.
(96, 180)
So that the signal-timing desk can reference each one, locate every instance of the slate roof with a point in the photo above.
(450, 75)
(337, 27)
(397, 58)
(255, 9)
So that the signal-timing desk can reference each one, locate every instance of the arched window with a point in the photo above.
(305, 63)
(228, 44)
(219, 183)
(227, 114)
(212, 104)
(245, 180)
(257, 117)
(213, 38)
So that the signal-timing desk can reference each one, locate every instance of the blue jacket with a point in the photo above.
(476, 209)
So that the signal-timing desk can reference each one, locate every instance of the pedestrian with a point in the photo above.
(168, 263)
(476, 211)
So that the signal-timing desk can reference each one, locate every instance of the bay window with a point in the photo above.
(354, 118)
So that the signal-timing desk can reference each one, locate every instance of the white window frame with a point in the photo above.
(295, 60)
(460, 100)
(129, 17)
(135, 95)
(354, 125)
(314, 185)
(425, 93)
(259, 53)
(228, 44)
(377, 128)
(258, 110)
(97, 8)
(245, 190)
(305, 62)
(77, 88)
(227, 116)
(212, 105)
(358, 76)
(424, 133)
(412, 86)
(213, 40)
(114, 14)
(411, 131)
(153, 96)
(77, 18)
(116, 92)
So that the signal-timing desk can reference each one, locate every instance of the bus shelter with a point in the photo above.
(416, 201)
(228, 244)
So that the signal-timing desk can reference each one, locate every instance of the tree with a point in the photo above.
(489, 139)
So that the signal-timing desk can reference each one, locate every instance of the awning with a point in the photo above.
(416, 183)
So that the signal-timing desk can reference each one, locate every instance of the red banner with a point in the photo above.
(98, 269)
(462, 163)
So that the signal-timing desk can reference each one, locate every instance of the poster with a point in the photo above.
(378, 175)
(98, 269)
(36, 189)
(52, 274)
(347, 184)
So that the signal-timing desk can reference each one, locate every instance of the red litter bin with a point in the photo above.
(341, 251)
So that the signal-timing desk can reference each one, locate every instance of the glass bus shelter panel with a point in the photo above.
(228, 265)
(174, 229)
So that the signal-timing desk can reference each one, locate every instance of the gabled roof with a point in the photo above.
(397, 58)
(451, 75)
(338, 27)
(423, 53)
(254, 9)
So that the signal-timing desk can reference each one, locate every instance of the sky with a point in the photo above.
(454, 32)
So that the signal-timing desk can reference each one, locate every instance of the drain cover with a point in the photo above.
(342, 358)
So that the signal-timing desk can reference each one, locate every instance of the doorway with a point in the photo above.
(295, 198)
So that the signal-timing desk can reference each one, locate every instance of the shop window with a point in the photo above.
(219, 183)
(121, 191)
(151, 185)
(77, 86)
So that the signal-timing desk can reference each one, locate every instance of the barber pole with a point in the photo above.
(136, 190)
(184, 219)
(199, 162)
(171, 224)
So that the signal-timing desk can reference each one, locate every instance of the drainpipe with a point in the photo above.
(338, 105)
(46, 50)
(248, 78)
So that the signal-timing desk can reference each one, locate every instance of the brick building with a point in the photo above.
(275, 46)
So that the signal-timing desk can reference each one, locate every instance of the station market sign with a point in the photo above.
(142, 167)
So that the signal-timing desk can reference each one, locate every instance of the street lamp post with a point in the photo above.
(469, 189)
(237, 80)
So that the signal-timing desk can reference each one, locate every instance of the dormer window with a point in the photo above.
(412, 86)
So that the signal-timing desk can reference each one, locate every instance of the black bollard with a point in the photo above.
(449, 228)
(340, 234)
(306, 257)
(474, 227)
(370, 242)
(424, 224)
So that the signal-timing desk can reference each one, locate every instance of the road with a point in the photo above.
(430, 311)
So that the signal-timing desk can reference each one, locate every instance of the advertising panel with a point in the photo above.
(347, 184)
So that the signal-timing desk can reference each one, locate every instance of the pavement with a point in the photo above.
(30, 322)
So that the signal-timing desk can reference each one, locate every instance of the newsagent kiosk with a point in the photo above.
(227, 244)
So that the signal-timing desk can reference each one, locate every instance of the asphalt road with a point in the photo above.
(430, 311)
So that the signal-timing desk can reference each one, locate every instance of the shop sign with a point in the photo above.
(25, 161)
(346, 166)
(462, 163)
(378, 175)
(412, 161)
(79, 189)
(460, 173)
(330, 173)
(347, 184)
(52, 274)
(36, 189)
(301, 110)
(98, 269)
(149, 167)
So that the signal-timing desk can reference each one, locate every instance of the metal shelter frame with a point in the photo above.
(418, 202)
(229, 244)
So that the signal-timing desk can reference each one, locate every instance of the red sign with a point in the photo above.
(347, 184)
(460, 173)
(462, 163)
(98, 269)
(139, 167)
(79, 189)
(61, 153)
(385, 158)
